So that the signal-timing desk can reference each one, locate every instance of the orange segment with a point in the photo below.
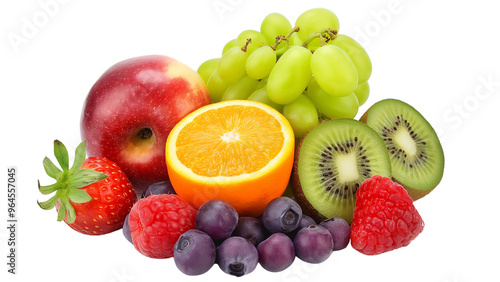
(238, 151)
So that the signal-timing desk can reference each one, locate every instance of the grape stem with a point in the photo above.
(323, 41)
(280, 38)
(278, 41)
(325, 35)
(244, 48)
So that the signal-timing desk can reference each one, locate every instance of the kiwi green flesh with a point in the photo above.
(331, 163)
(415, 152)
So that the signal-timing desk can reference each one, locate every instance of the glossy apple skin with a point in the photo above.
(149, 92)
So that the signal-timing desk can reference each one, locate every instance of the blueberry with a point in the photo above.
(217, 218)
(126, 229)
(276, 253)
(313, 244)
(194, 252)
(252, 229)
(281, 215)
(340, 230)
(305, 221)
(237, 256)
(158, 188)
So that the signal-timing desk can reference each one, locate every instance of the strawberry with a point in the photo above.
(384, 217)
(93, 196)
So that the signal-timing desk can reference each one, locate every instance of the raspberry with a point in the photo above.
(384, 217)
(156, 222)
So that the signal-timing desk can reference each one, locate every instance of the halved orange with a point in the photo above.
(238, 151)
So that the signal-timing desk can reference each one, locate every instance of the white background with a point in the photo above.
(442, 57)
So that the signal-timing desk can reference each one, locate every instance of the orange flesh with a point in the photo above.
(229, 141)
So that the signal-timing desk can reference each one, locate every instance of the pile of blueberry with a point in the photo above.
(237, 244)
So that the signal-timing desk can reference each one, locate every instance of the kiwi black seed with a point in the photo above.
(331, 163)
(416, 155)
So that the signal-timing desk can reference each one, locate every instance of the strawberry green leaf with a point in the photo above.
(49, 188)
(78, 196)
(70, 211)
(84, 177)
(80, 154)
(50, 168)
(71, 214)
(50, 203)
(61, 154)
(61, 213)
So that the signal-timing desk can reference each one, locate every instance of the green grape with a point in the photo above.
(241, 89)
(290, 76)
(295, 39)
(334, 70)
(230, 44)
(358, 55)
(216, 87)
(263, 82)
(331, 106)
(257, 40)
(315, 20)
(302, 115)
(362, 92)
(273, 25)
(208, 67)
(260, 63)
(231, 65)
(260, 95)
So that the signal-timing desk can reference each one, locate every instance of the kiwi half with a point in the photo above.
(331, 162)
(416, 155)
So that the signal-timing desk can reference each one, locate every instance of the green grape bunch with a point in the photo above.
(308, 71)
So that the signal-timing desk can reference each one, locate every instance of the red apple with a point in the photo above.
(131, 109)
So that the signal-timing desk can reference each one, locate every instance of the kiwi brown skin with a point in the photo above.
(365, 116)
(298, 194)
(413, 193)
